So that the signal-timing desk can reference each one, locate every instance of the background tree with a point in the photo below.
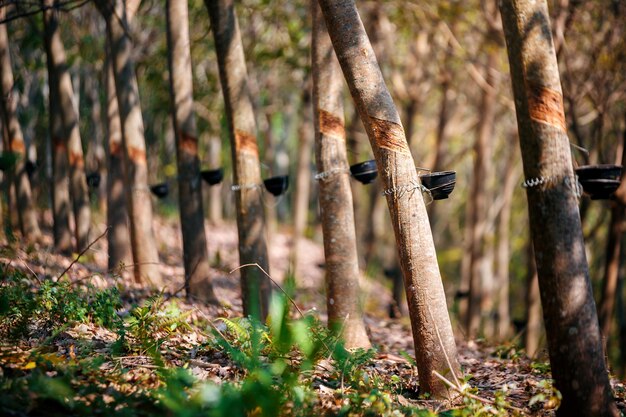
(255, 287)
(335, 196)
(145, 255)
(430, 322)
(62, 90)
(29, 225)
(567, 300)
(195, 253)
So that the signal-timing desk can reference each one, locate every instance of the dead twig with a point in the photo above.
(464, 393)
(82, 253)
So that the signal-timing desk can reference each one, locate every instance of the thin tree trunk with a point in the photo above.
(195, 251)
(143, 245)
(569, 310)
(335, 195)
(60, 190)
(27, 215)
(117, 215)
(480, 296)
(613, 251)
(61, 83)
(532, 333)
(255, 287)
(503, 252)
(432, 331)
(303, 177)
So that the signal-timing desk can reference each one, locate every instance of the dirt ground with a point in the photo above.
(487, 368)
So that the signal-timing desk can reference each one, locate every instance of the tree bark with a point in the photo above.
(430, 322)
(143, 245)
(255, 287)
(117, 216)
(480, 289)
(61, 83)
(195, 251)
(335, 196)
(613, 252)
(303, 177)
(503, 252)
(27, 215)
(569, 310)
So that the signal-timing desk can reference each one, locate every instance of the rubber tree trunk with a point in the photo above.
(613, 252)
(569, 310)
(335, 196)
(480, 287)
(303, 178)
(503, 251)
(60, 190)
(430, 322)
(27, 215)
(195, 251)
(255, 287)
(117, 216)
(61, 83)
(143, 245)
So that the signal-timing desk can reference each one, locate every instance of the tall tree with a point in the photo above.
(143, 245)
(255, 287)
(195, 252)
(430, 322)
(61, 84)
(27, 215)
(117, 216)
(335, 195)
(569, 311)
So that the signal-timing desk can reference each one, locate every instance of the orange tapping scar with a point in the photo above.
(188, 144)
(331, 125)
(115, 149)
(76, 159)
(546, 106)
(246, 142)
(136, 155)
(17, 146)
(389, 135)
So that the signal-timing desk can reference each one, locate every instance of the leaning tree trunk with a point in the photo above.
(255, 287)
(117, 216)
(143, 245)
(195, 252)
(8, 107)
(574, 339)
(432, 332)
(61, 83)
(335, 196)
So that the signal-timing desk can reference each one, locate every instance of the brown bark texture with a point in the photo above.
(117, 216)
(143, 245)
(303, 177)
(335, 196)
(61, 82)
(255, 287)
(27, 215)
(430, 322)
(613, 252)
(573, 333)
(195, 251)
(60, 189)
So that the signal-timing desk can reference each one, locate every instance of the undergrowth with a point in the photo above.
(74, 350)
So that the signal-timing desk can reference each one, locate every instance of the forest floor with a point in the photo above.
(51, 364)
